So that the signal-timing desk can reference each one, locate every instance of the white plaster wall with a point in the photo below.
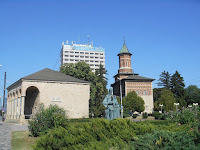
(74, 97)
(148, 100)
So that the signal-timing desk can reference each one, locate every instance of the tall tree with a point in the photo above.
(101, 73)
(156, 95)
(177, 85)
(133, 102)
(192, 94)
(164, 80)
(167, 99)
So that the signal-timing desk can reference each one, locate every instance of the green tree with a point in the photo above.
(101, 73)
(167, 99)
(164, 80)
(133, 102)
(177, 85)
(82, 70)
(156, 94)
(101, 91)
(192, 94)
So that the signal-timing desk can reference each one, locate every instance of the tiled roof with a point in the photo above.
(136, 77)
(124, 49)
(51, 75)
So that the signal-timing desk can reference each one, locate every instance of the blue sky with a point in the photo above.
(161, 35)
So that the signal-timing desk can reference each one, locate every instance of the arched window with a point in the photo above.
(122, 63)
(126, 63)
(148, 93)
(140, 92)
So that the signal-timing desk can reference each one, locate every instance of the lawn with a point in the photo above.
(22, 141)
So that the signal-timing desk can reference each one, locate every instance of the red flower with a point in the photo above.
(191, 128)
(179, 124)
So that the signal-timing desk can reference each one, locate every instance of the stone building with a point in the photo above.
(47, 87)
(131, 81)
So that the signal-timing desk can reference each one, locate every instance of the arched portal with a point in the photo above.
(31, 101)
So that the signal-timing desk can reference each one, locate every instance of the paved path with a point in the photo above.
(5, 133)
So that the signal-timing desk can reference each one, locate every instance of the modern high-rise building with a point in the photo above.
(73, 53)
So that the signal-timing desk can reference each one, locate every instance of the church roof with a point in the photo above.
(51, 75)
(124, 49)
(139, 78)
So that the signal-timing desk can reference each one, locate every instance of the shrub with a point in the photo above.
(126, 115)
(184, 117)
(157, 115)
(164, 116)
(97, 134)
(134, 115)
(117, 134)
(145, 115)
(46, 119)
(163, 140)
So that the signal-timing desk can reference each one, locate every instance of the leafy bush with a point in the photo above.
(97, 134)
(145, 115)
(163, 140)
(46, 119)
(164, 116)
(157, 115)
(183, 117)
(126, 115)
(134, 115)
(117, 134)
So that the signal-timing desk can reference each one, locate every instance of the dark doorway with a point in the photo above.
(31, 101)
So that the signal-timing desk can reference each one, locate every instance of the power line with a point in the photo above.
(57, 60)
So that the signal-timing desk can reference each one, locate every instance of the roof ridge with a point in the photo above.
(52, 75)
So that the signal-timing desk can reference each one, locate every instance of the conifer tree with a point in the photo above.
(177, 85)
(164, 79)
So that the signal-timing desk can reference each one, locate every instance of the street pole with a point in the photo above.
(4, 94)
(161, 105)
(195, 105)
(176, 104)
(4, 91)
(121, 98)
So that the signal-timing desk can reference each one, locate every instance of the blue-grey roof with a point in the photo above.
(51, 75)
(136, 77)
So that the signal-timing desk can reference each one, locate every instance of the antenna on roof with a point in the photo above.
(88, 36)
(124, 39)
(78, 39)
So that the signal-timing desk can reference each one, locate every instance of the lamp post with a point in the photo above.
(121, 97)
(161, 105)
(190, 106)
(176, 104)
(4, 93)
(195, 105)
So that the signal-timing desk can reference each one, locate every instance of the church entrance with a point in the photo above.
(31, 101)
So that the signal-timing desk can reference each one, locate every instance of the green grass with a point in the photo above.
(20, 140)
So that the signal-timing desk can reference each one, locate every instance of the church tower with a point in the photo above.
(125, 60)
(130, 81)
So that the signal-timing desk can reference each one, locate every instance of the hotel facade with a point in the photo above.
(73, 53)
